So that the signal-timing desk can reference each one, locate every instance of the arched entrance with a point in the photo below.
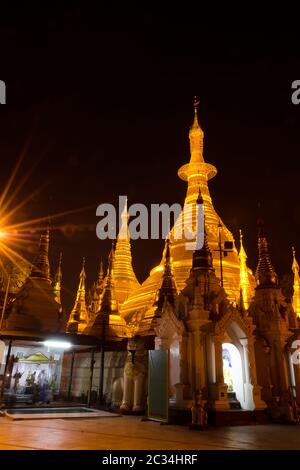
(234, 334)
(233, 371)
(236, 364)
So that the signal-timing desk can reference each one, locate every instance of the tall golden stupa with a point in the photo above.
(197, 173)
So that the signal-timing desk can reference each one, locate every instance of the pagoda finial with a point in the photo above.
(196, 104)
(196, 133)
(57, 280)
(41, 267)
(296, 294)
(265, 273)
(245, 289)
(79, 315)
(295, 266)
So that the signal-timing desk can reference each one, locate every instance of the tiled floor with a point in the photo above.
(129, 432)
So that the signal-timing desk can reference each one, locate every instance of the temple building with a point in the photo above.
(210, 323)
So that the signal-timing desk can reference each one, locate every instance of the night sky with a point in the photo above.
(106, 106)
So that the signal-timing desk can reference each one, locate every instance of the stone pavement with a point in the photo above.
(129, 432)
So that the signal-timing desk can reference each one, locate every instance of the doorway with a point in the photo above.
(233, 372)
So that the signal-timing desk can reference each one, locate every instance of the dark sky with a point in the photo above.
(108, 103)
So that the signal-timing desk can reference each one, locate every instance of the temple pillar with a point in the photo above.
(138, 399)
(135, 371)
(252, 390)
(218, 398)
(197, 360)
(281, 408)
(182, 388)
(183, 359)
(180, 395)
(127, 393)
(295, 372)
(279, 365)
(210, 358)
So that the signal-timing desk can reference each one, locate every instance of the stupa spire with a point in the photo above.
(96, 290)
(196, 172)
(202, 258)
(124, 276)
(296, 294)
(79, 315)
(100, 273)
(168, 288)
(196, 136)
(245, 289)
(265, 273)
(109, 302)
(41, 267)
(58, 280)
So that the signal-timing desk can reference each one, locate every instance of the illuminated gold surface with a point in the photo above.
(57, 281)
(245, 286)
(296, 295)
(79, 315)
(196, 173)
(108, 301)
(125, 280)
(107, 320)
(95, 293)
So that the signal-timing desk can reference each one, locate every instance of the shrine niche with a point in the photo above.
(32, 378)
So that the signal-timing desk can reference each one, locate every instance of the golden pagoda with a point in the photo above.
(79, 315)
(107, 321)
(125, 281)
(197, 173)
(41, 266)
(296, 294)
(35, 307)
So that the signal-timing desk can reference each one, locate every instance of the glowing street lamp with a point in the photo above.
(57, 344)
